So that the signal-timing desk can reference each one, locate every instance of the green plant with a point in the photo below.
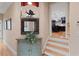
(31, 37)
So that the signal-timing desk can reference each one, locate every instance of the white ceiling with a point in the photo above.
(4, 6)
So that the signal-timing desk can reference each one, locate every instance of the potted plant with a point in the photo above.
(31, 39)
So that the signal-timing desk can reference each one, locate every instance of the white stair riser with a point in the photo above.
(59, 40)
(61, 45)
(57, 50)
(48, 54)
(64, 43)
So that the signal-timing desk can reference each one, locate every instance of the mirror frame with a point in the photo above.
(36, 22)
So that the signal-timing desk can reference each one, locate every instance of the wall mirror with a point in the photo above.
(29, 24)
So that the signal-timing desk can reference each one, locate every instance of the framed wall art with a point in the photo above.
(8, 24)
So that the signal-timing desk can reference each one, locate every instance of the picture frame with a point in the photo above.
(5, 25)
(8, 24)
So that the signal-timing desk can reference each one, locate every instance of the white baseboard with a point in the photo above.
(10, 48)
(44, 45)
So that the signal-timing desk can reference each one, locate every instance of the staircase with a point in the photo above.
(56, 47)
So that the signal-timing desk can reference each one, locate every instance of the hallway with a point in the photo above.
(12, 29)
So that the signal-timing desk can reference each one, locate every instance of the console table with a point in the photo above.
(24, 49)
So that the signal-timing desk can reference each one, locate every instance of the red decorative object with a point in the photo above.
(33, 3)
(24, 3)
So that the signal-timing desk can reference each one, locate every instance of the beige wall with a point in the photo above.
(74, 28)
(10, 36)
(13, 11)
(1, 16)
(58, 10)
(33, 8)
(44, 23)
